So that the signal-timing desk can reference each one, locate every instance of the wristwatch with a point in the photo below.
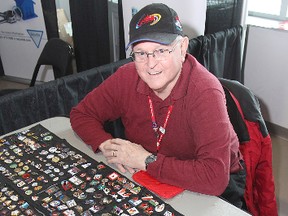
(151, 158)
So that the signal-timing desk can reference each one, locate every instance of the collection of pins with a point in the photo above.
(43, 174)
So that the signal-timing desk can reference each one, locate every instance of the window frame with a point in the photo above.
(281, 17)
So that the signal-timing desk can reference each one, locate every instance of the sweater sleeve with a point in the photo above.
(208, 171)
(89, 116)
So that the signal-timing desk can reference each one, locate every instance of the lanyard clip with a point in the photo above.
(162, 130)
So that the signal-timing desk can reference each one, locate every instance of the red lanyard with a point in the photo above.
(159, 131)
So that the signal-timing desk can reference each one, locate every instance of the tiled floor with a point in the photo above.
(280, 159)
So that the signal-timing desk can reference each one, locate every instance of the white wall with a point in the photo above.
(266, 71)
(21, 43)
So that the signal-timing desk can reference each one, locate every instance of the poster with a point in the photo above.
(22, 38)
(192, 15)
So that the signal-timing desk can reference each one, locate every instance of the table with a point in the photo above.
(187, 203)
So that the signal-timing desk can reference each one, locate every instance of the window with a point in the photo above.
(269, 9)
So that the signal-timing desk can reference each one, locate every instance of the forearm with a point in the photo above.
(206, 170)
(88, 129)
(88, 117)
(209, 176)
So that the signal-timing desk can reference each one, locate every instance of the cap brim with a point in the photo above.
(161, 38)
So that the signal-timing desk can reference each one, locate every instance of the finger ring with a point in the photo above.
(113, 154)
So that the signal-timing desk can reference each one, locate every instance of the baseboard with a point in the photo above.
(277, 130)
(18, 80)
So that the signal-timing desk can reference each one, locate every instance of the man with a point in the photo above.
(173, 110)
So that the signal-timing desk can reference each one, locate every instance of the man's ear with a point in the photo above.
(184, 46)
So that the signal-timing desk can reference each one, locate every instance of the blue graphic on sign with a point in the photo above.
(27, 8)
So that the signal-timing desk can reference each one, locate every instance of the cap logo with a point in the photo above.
(178, 23)
(148, 19)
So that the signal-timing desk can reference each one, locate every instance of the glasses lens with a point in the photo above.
(161, 54)
(140, 56)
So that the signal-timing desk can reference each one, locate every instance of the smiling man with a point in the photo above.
(176, 123)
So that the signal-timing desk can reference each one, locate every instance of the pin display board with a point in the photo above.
(40, 172)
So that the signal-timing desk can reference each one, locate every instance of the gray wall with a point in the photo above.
(266, 71)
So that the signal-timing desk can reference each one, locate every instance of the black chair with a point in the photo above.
(56, 53)
(255, 145)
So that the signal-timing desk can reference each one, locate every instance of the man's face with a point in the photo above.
(160, 75)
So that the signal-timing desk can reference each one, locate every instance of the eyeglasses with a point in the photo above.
(158, 54)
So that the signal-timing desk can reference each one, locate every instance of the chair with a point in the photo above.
(220, 52)
(58, 54)
(255, 145)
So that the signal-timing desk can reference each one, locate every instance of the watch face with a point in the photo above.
(150, 159)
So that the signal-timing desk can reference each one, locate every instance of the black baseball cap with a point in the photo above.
(155, 23)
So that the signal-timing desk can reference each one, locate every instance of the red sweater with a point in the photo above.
(200, 147)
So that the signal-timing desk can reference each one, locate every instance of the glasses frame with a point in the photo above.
(153, 53)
